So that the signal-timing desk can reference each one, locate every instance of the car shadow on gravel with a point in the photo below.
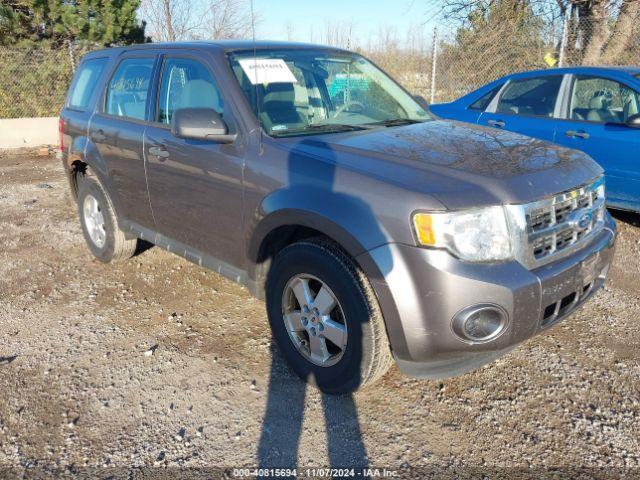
(631, 218)
(142, 247)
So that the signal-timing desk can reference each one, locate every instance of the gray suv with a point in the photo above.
(373, 231)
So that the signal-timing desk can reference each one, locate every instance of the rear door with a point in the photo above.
(594, 122)
(473, 111)
(195, 186)
(87, 84)
(470, 107)
(117, 132)
(527, 106)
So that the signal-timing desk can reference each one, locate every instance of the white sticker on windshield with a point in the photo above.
(267, 70)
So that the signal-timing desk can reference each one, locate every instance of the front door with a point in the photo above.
(595, 124)
(195, 186)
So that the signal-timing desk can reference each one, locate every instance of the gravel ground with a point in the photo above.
(157, 362)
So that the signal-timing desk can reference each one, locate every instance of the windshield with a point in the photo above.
(305, 92)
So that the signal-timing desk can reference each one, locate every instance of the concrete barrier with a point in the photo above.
(28, 132)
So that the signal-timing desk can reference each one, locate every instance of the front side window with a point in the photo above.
(531, 96)
(186, 83)
(129, 87)
(85, 82)
(302, 92)
(601, 100)
(483, 102)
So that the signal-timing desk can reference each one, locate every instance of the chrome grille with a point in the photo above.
(556, 226)
(563, 220)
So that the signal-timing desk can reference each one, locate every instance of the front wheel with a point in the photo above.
(325, 317)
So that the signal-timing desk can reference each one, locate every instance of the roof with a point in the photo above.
(223, 45)
(632, 70)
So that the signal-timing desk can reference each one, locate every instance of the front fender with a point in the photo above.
(294, 216)
(344, 218)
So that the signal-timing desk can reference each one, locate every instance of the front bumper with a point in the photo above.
(421, 290)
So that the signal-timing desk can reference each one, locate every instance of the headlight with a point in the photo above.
(478, 235)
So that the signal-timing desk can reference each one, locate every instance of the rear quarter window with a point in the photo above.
(85, 82)
(483, 102)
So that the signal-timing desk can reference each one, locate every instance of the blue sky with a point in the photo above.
(367, 16)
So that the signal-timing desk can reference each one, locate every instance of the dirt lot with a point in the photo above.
(157, 362)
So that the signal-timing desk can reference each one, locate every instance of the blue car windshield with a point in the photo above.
(307, 91)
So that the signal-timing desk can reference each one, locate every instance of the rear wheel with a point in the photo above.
(325, 317)
(100, 224)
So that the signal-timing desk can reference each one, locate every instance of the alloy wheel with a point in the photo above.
(314, 320)
(94, 221)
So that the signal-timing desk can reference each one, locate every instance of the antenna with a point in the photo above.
(255, 68)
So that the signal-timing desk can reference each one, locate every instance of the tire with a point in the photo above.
(110, 244)
(366, 356)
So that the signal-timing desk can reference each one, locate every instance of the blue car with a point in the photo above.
(596, 110)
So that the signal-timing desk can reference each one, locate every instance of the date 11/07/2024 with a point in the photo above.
(315, 472)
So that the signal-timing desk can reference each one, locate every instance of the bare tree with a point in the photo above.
(600, 30)
(170, 20)
(338, 34)
(604, 29)
(229, 19)
(593, 24)
(291, 31)
(407, 58)
(625, 29)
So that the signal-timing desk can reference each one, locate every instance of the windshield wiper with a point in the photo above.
(392, 122)
(325, 127)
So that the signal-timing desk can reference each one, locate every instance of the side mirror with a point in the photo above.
(633, 121)
(421, 101)
(200, 124)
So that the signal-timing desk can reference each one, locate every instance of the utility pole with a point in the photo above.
(565, 33)
(434, 64)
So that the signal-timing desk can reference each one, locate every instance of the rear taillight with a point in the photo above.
(61, 132)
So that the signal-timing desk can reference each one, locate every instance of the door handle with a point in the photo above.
(159, 152)
(577, 134)
(98, 136)
(496, 123)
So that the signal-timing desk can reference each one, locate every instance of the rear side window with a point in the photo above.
(483, 102)
(129, 87)
(186, 83)
(85, 83)
(531, 96)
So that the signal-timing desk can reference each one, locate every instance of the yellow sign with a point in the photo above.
(551, 59)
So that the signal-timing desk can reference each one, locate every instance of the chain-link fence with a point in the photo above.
(34, 82)
(466, 60)
(472, 52)
(465, 51)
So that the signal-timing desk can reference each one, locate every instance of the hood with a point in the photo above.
(461, 165)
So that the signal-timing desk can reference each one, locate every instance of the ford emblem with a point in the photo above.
(580, 218)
